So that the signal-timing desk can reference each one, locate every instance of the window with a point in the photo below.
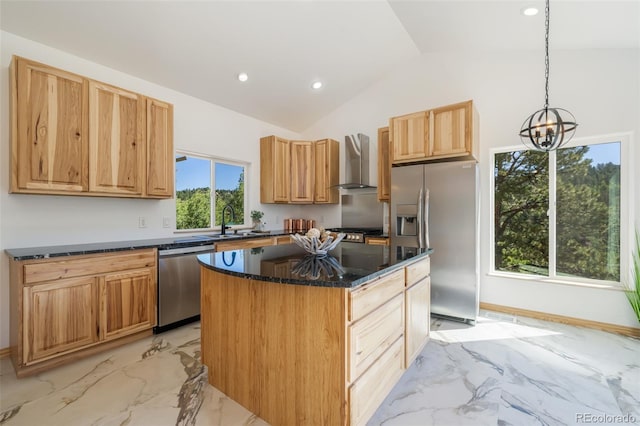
(559, 214)
(197, 207)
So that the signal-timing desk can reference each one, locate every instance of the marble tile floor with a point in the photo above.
(504, 371)
(517, 371)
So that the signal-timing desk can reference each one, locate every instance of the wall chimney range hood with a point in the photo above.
(356, 162)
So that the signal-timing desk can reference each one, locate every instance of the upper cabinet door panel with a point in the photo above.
(326, 152)
(302, 172)
(160, 159)
(384, 165)
(50, 137)
(410, 136)
(116, 159)
(275, 172)
(452, 130)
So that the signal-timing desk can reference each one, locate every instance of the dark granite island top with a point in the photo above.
(347, 266)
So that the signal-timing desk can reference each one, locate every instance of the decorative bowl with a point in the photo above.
(316, 246)
(314, 267)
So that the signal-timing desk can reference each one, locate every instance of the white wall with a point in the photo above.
(37, 220)
(600, 87)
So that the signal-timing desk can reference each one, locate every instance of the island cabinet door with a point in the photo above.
(50, 141)
(127, 303)
(368, 392)
(418, 301)
(59, 317)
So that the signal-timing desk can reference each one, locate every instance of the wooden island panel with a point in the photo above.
(284, 347)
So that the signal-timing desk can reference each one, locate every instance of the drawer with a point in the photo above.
(417, 271)
(369, 296)
(377, 241)
(372, 335)
(244, 244)
(78, 266)
(366, 395)
(283, 239)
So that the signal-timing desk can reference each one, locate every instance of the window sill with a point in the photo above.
(209, 230)
(604, 285)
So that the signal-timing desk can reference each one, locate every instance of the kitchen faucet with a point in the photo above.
(233, 218)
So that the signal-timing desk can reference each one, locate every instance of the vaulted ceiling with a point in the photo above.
(199, 48)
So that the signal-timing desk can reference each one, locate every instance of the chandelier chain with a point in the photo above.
(546, 56)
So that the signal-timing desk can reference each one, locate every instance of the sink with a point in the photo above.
(223, 237)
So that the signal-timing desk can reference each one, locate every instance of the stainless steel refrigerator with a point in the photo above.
(436, 206)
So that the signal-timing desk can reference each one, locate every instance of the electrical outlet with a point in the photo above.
(166, 222)
(142, 222)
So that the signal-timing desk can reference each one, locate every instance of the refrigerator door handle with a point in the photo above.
(420, 219)
(425, 210)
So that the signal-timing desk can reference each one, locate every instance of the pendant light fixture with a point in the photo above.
(549, 128)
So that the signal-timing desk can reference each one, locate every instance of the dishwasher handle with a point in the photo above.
(185, 250)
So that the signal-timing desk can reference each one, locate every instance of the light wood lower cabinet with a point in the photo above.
(373, 335)
(307, 355)
(68, 307)
(59, 317)
(418, 318)
(126, 303)
(418, 307)
(366, 395)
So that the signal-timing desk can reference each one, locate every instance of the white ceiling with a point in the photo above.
(198, 48)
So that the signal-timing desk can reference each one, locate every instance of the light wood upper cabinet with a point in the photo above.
(302, 172)
(452, 130)
(49, 141)
(160, 159)
(116, 140)
(275, 182)
(410, 136)
(298, 172)
(384, 165)
(446, 132)
(58, 317)
(75, 136)
(127, 303)
(327, 164)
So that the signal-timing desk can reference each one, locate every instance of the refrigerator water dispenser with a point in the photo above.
(406, 219)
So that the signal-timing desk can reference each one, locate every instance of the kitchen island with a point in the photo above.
(300, 340)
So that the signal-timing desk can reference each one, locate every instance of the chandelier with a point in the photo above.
(548, 128)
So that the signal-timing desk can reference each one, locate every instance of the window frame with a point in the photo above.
(626, 214)
(212, 180)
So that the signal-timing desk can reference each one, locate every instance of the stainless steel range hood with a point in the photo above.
(356, 162)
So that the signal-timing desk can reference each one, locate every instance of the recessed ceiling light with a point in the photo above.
(316, 85)
(529, 11)
(243, 76)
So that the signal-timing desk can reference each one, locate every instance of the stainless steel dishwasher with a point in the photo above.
(179, 286)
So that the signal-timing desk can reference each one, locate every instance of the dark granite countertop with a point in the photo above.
(106, 247)
(347, 266)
